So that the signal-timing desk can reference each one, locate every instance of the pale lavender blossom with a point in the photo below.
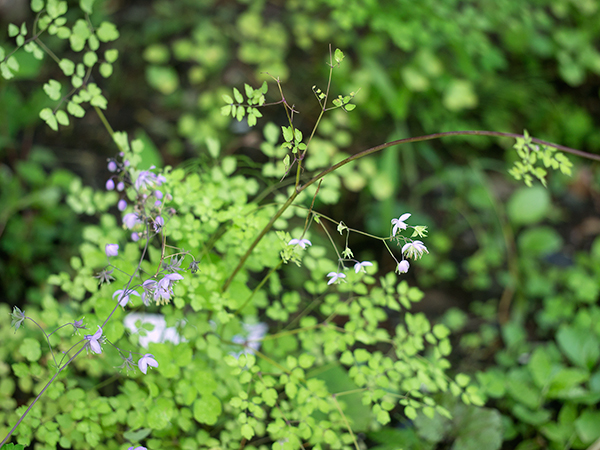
(399, 223)
(124, 296)
(335, 276)
(110, 185)
(122, 205)
(403, 266)
(111, 250)
(145, 361)
(301, 242)
(164, 288)
(131, 220)
(414, 249)
(120, 186)
(112, 166)
(137, 448)
(135, 237)
(149, 286)
(93, 341)
(128, 363)
(361, 265)
(158, 194)
(18, 317)
(159, 223)
(148, 179)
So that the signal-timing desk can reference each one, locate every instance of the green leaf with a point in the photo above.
(579, 345)
(106, 69)
(338, 55)
(227, 99)
(528, 205)
(238, 96)
(52, 89)
(214, 147)
(30, 349)
(111, 55)
(247, 431)
(90, 58)
(86, 6)
(79, 35)
(56, 8)
(13, 30)
(23, 31)
(37, 5)
(163, 78)
(62, 117)
(410, 412)
(107, 32)
(49, 118)
(207, 409)
(20, 40)
(480, 428)
(587, 426)
(288, 133)
(99, 101)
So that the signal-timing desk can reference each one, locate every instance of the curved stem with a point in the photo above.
(378, 148)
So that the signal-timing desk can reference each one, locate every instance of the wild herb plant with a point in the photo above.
(257, 358)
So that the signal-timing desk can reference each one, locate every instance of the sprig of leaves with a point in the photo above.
(531, 155)
(236, 107)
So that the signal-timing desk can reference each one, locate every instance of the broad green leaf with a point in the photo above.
(528, 205)
(162, 78)
(75, 109)
(106, 69)
(37, 5)
(90, 58)
(30, 349)
(227, 99)
(52, 89)
(238, 96)
(107, 32)
(13, 30)
(62, 117)
(49, 118)
(111, 55)
(67, 66)
(86, 6)
(207, 409)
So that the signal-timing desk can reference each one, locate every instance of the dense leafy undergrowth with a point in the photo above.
(306, 337)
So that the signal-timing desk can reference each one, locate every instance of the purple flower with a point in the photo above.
(414, 249)
(145, 361)
(361, 265)
(301, 242)
(111, 250)
(148, 179)
(110, 185)
(112, 166)
(135, 237)
(78, 325)
(159, 222)
(158, 195)
(94, 340)
(335, 276)
(120, 186)
(122, 205)
(128, 363)
(399, 223)
(105, 276)
(137, 448)
(403, 266)
(124, 296)
(164, 288)
(131, 220)
(149, 286)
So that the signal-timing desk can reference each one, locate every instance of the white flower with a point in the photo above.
(414, 249)
(399, 223)
(403, 266)
(361, 265)
(301, 242)
(335, 276)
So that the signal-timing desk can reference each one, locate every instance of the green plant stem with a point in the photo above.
(40, 395)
